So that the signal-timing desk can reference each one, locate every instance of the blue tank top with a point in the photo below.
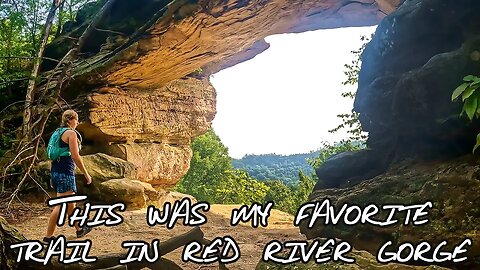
(64, 165)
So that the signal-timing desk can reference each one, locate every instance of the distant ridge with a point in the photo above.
(276, 167)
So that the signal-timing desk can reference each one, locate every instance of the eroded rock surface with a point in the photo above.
(418, 56)
(157, 164)
(174, 113)
(102, 167)
(150, 130)
(452, 186)
(167, 42)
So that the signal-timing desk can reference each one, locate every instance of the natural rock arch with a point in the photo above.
(144, 94)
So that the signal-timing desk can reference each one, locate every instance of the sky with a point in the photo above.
(286, 99)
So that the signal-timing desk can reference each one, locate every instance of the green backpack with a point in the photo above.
(54, 150)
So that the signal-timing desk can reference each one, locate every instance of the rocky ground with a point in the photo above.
(31, 218)
(32, 223)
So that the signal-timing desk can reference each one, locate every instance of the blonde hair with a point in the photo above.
(67, 116)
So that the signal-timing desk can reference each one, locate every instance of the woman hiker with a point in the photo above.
(63, 170)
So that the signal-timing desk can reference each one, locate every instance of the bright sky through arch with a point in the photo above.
(286, 99)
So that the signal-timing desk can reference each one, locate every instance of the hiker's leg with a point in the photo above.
(52, 221)
(71, 207)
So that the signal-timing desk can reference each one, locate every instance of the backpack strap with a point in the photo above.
(61, 131)
(79, 136)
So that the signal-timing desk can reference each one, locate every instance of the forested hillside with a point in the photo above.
(276, 167)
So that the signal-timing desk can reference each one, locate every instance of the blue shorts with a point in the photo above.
(63, 182)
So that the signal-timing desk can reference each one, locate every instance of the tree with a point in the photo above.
(30, 141)
(27, 111)
(239, 187)
(209, 166)
(282, 196)
(212, 178)
(305, 187)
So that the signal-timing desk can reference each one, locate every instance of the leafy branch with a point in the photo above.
(471, 100)
(350, 121)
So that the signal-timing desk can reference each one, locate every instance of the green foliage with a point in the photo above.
(471, 100)
(278, 167)
(305, 187)
(6, 140)
(350, 120)
(22, 25)
(209, 166)
(199, 70)
(281, 194)
(239, 187)
(21, 28)
(329, 150)
(289, 198)
(353, 69)
(211, 176)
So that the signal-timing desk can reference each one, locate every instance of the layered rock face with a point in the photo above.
(171, 114)
(151, 131)
(167, 42)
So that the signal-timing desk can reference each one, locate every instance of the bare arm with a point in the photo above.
(73, 145)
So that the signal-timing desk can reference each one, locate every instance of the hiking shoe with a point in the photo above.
(48, 240)
(83, 231)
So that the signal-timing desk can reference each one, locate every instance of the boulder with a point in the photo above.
(349, 168)
(9, 236)
(135, 194)
(172, 196)
(161, 165)
(451, 185)
(102, 167)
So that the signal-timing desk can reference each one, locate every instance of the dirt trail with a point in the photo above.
(108, 239)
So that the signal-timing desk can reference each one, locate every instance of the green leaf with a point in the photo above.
(475, 83)
(459, 90)
(463, 110)
(470, 107)
(469, 78)
(468, 92)
(477, 144)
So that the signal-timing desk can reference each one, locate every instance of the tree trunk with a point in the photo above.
(60, 19)
(27, 114)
